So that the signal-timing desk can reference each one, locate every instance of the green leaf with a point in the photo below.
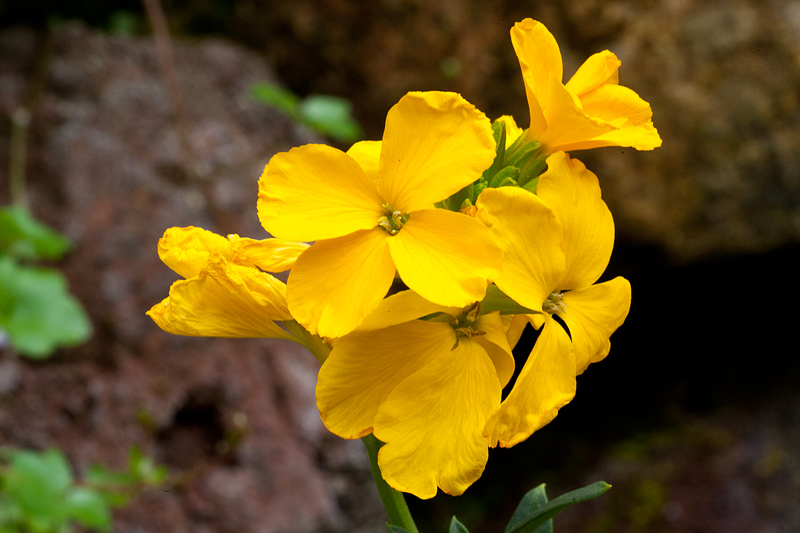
(395, 529)
(532, 501)
(331, 116)
(143, 469)
(37, 313)
(274, 96)
(38, 483)
(24, 237)
(89, 508)
(532, 513)
(457, 527)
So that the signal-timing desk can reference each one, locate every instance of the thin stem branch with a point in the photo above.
(393, 501)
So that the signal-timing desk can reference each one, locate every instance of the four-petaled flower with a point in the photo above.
(371, 213)
(425, 388)
(556, 243)
(591, 110)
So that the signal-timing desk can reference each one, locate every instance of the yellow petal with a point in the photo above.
(446, 257)
(592, 315)
(271, 255)
(515, 325)
(336, 283)
(599, 69)
(403, 306)
(495, 342)
(567, 123)
(316, 192)
(186, 250)
(368, 155)
(627, 112)
(435, 143)
(573, 193)
(545, 384)
(540, 60)
(531, 238)
(432, 422)
(640, 137)
(224, 300)
(364, 367)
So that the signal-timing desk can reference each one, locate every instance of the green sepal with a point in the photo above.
(457, 527)
(24, 237)
(497, 300)
(508, 173)
(499, 132)
(531, 185)
(532, 170)
(520, 156)
(455, 201)
(534, 510)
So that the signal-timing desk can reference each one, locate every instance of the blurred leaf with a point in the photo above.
(274, 96)
(38, 482)
(144, 469)
(37, 313)
(23, 237)
(396, 529)
(457, 527)
(331, 116)
(534, 510)
(89, 508)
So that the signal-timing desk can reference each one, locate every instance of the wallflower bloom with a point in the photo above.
(370, 220)
(557, 243)
(591, 110)
(225, 293)
(425, 388)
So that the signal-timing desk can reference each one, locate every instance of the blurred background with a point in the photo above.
(694, 417)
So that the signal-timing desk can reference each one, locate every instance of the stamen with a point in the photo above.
(392, 221)
(554, 303)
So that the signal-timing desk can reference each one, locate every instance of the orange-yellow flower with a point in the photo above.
(425, 388)
(225, 293)
(371, 213)
(589, 111)
(556, 243)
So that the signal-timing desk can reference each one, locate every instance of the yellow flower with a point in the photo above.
(425, 388)
(371, 213)
(557, 243)
(591, 110)
(225, 293)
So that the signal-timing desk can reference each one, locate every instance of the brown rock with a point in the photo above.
(106, 168)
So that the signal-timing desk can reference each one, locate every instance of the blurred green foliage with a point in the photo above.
(37, 312)
(39, 494)
(331, 116)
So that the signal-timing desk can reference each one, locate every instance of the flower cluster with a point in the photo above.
(431, 251)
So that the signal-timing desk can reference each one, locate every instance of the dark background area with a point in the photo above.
(693, 417)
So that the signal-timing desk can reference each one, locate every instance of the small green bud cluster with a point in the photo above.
(518, 166)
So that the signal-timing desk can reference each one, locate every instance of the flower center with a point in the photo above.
(392, 221)
(554, 302)
(464, 323)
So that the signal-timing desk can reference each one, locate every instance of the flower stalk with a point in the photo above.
(393, 501)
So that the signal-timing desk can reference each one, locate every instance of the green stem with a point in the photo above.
(393, 501)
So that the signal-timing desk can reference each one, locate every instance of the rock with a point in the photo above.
(106, 168)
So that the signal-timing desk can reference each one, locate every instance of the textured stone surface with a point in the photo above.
(105, 167)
